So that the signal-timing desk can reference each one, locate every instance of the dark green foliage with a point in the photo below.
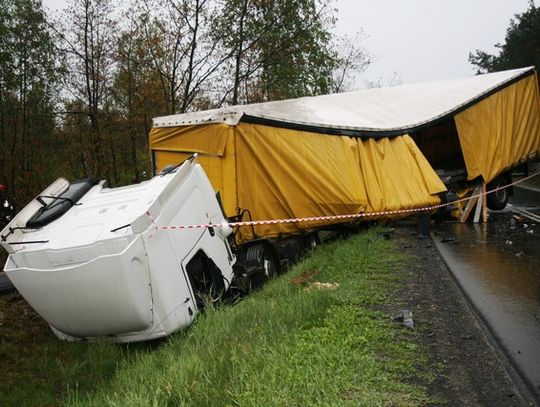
(27, 81)
(78, 92)
(280, 49)
(521, 46)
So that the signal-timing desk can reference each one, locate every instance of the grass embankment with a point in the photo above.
(284, 345)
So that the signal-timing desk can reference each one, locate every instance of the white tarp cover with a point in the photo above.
(371, 110)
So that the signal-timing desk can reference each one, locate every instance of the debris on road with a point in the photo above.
(386, 234)
(305, 278)
(317, 285)
(405, 317)
(448, 239)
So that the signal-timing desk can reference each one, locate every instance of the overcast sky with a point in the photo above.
(423, 40)
(419, 40)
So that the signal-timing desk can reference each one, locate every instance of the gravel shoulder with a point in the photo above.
(469, 368)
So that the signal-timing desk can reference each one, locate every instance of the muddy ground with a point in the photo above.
(468, 369)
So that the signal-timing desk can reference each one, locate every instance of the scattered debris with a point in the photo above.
(448, 239)
(386, 234)
(405, 317)
(305, 277)
(518, 218)
(530, 231)
(508, 242)
(317, 285)
(467, 337)
(520, 254)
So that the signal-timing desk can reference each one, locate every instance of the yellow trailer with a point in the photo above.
(367, 151)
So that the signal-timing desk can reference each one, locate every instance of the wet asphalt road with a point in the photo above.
(498, 267)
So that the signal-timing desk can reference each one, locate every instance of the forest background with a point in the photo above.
(78, 91)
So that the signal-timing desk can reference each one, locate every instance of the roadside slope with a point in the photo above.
(287, 344)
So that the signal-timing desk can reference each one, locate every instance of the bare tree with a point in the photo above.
(136, 95)
(351, 59)
(282, 49)
(26, 83)
(184, 54)
(86, 38)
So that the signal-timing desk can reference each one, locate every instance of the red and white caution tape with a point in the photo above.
(335, 217)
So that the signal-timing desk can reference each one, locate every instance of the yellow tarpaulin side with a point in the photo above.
(208, 139)
(290, 174)
(182, 142)
(281, 173)
(396, 175)
(501, 130)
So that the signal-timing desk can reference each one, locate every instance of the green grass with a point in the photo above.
(282, 346)
(38, 369)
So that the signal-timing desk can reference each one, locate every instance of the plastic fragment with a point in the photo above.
(317, 285)
(405, 317)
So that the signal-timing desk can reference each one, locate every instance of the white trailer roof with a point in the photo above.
(382, 111)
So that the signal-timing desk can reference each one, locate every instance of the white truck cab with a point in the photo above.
(98, 262)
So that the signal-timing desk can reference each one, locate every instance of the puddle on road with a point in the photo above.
(498, 265)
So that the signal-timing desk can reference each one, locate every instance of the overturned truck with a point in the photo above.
(93, 262)
(138, 262)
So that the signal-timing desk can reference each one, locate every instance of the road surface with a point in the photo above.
(498, 267)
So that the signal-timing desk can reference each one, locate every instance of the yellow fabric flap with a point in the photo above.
(220, 168)
(286, 173)
(209, 139)
(502, 130)
(280, 173)
(396, 175)
(292, 174)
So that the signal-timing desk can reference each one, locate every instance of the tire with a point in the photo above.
(311, 241)
(267, 259)
(497, 200)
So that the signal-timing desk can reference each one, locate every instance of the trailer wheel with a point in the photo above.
(497, 200)
(311, 241)
(267, 259)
